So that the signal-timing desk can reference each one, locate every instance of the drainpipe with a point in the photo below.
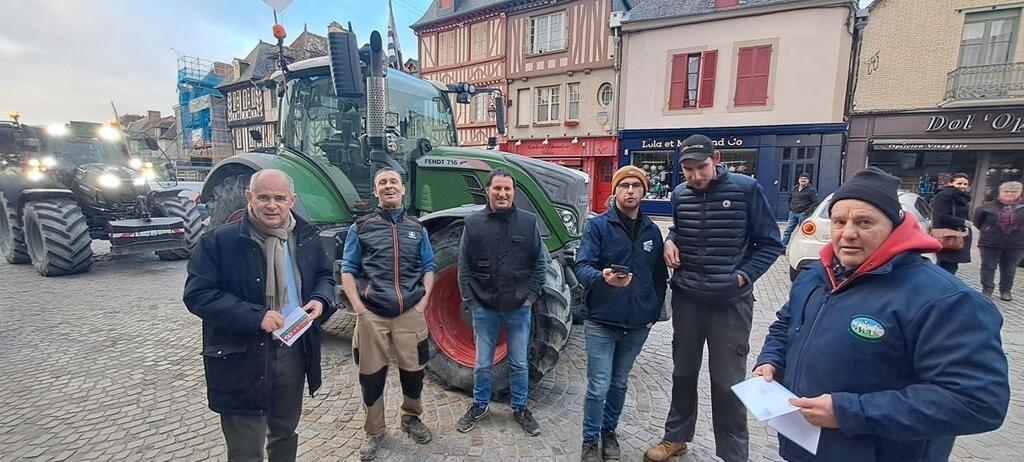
(860, 20)
(617, 67)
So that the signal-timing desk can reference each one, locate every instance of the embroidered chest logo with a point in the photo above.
(867, 328)
(413, 235)
(727, 203)
(648, 245)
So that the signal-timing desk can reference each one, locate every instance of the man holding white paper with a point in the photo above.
(262, 286)
(891, 355)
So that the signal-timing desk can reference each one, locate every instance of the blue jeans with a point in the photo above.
(486, 324)
(610, 356)
(794, 220)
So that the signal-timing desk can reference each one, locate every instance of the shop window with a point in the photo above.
(988, 37)
(548, 99)
(1002, 167)
(658, 166)
(693, 80)
(572, 112)
(741, 161)
(924, 172)
(547, 33)
(752, 70)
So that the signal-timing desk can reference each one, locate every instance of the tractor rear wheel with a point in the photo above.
(57, 237)
(180, 207)
(12, 239)
(228, 199)
(453, 349)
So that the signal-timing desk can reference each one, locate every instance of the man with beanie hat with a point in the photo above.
(724, 237)
(620, 264)
(930, 343)
(803, 198)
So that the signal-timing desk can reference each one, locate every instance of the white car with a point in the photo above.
(816, 231)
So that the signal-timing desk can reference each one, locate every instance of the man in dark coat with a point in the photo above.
(803, 198)
(895, 379)
(950, 209)
(243, 279)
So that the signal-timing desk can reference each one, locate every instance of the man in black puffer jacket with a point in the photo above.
(724, 237)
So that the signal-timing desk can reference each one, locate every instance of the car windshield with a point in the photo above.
(79, 151)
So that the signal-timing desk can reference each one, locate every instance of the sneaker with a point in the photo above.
(526, 420)
(369, 449)
(1005, 296)
(664, 451)
(609, 445)
(472, 417)
(589, 453)
(415, 428)
(987, 292)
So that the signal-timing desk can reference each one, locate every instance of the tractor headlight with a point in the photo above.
(109, 133)
(57, 130)
(139, 181)
(569, 220)
(33, 174)
(49, 162)
(109, 181)
(34, 163)
(135, 163)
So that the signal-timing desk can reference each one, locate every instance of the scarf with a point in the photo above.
(273, 241)
(1008, 217)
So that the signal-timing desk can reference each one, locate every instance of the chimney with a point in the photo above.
(153, 116)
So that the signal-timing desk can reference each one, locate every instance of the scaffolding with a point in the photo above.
(202, 114)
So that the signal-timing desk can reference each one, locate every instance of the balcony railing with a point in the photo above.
(990, 81)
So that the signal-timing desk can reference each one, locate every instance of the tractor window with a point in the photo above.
(422, 112)
(80, 151)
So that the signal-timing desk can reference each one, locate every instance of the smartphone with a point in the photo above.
(621, 270)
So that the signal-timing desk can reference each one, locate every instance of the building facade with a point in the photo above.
(765, 79)
(940, 90)
(561, 97)
(464, 41)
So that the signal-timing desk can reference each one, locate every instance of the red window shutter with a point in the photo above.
(744, 74)
(677, 84)
(442, 4)
(759, 80)
(709, 62)
(724, 3)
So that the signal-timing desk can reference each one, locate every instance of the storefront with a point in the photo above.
(594, 156)
(925, 148)
(774, 155)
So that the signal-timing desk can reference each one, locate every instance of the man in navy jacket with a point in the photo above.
(621, 306)
(891, 355)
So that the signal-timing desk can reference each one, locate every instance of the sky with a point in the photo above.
(64, 60)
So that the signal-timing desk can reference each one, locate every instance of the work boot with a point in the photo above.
(987, 292)
(526, 420)
(589, 453)
(609, 445)
(369, 449)
(664, 451)
(415, 428)
(1005, 296)
(472, 417)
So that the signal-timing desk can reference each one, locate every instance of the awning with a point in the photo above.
(947, 144)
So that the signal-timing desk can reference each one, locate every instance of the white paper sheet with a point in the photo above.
(795, 427)
(296, 321)
(770, 401)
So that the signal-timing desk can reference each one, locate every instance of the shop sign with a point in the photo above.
(1000, 122)
(722, 142)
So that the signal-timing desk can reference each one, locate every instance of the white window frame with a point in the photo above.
(548, 103)
(480, 108)
(524, 108)
(572, 100)
(611, 91)
(543, 37)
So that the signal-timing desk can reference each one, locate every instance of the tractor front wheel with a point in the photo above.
(180, 207)
(12, 239)
(57, 237)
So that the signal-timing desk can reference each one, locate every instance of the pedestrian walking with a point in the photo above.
(387, 272)
(951, 209)
(896, 379)
(502, 267)
(241, 278)
(621, 265)
(1001, 244)
(724, 237)
(803, 199)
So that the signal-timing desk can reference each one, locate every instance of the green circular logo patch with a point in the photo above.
(867, 328)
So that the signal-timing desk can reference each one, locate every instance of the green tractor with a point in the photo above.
(342, 118)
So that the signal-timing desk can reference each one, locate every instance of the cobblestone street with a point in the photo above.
(106, 366)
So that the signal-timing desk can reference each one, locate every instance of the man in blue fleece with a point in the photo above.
(891, 355)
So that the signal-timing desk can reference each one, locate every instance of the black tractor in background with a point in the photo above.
(64, 185)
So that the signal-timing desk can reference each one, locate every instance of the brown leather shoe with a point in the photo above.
(664, 451)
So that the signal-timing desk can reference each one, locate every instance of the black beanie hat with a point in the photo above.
(874, 186)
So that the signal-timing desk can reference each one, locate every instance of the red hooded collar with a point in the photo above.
(907, 237)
